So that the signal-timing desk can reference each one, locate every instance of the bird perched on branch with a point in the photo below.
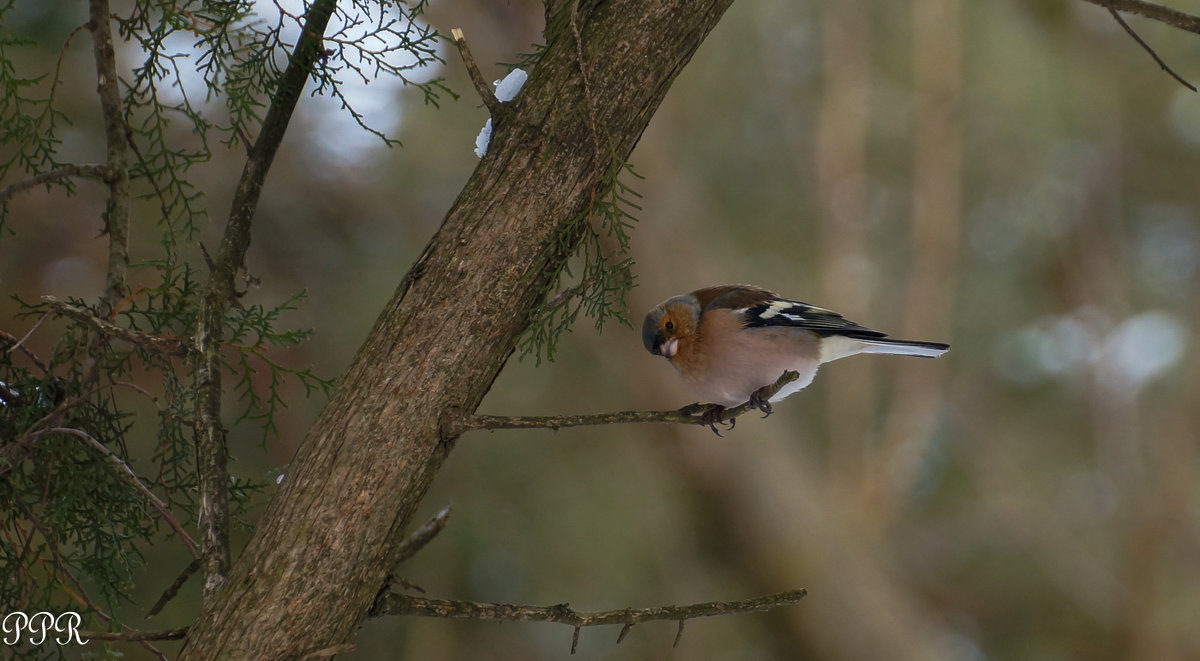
(731, 343)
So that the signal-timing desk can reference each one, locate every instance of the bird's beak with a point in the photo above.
(667, 349)
(653, 338)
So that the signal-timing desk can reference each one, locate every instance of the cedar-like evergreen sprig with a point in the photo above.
(29, 118)
(252, 332)
(74, 541)
(604, 265)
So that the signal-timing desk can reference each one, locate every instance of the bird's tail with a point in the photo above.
(840, 346)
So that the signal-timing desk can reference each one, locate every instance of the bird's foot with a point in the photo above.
(711, 417)
(760, 400)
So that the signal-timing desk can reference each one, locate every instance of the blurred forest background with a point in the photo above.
(1016, 178)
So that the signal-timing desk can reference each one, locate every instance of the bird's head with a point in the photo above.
(670, 323)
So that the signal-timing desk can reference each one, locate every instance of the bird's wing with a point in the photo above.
(732, 297)
(781, 312)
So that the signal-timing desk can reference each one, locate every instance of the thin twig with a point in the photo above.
(495, 108)
(14, 343)
(211, 452)
(1150, 50)
(173, 589)
(171, 346)
(134, 635)
(562, 296)
(406, 550)
(155, 502)
(41, 320)
(692, 414)
(90, 171)
(422, 536)
(1155, 12)
(403, 604)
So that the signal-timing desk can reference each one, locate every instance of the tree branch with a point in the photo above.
(171, 346)
(135, 636)
(402, 604)
(693, 414)
(116, 213)
(423, 535)
(1120, 21)
(13, 344)
(174, 588)
(495, 108)
(87, 171)
(210, 435)
(1155, 12)
(406, 550)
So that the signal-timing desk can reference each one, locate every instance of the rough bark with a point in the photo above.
(321, 551)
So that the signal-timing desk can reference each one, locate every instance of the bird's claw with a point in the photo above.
(760, 401)
(712, 416)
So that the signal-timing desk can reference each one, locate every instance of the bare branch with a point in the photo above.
(116, 214)
(133, 635)
(171, 346)
(407, 549)
(14, 343)
(1155, 12)
(211, 453)
(692, 414)
(399, 604)
(173, 589)
(481, 87)
(402, 604)
(1148, 49)
(88, 171)
(423, 535)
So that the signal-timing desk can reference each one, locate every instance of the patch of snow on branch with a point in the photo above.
(506, 90)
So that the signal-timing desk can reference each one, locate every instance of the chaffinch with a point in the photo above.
(731, 342)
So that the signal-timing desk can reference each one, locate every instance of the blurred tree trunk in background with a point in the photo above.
(322, 550)
(933, 253)
(843, 125)
(828, 525)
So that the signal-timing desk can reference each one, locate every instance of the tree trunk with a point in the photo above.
(323, 547)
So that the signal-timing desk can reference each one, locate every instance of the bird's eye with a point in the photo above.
(669, 325)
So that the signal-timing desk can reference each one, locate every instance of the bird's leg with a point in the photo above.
(759, 399)
(712, 415)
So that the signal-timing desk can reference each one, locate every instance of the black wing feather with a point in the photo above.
(794, 314)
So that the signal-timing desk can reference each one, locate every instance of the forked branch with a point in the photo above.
(171, 346)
